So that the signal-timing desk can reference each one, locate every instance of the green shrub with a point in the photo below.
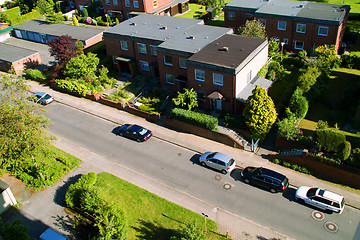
(147, 108)
(354, 158)
(289, 128)
(298, 104)
(296, 62)
(344, 151)
(276, 161)
(73, 194)
(233, 121)
(322, 124)
(350, 61)
(35, 75)
(72, 87)
(329, 140)
(264, 70)
(197, 119)
(308, 78)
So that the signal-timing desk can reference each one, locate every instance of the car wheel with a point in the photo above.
(138, 140)
(272, 190)
(121, 134)
(246, 180)
(203, 164)
(223, 171)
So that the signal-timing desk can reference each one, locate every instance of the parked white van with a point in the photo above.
(51, 234)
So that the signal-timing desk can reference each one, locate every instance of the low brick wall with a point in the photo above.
(93, 97)
(335, 173)
(111, 103)
(203, 132)
(149, 116)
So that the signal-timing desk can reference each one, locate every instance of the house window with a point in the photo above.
(124, 45)
(262, 21)
(168, 60)
(282, 25)
(249, 76)
(299, 45)
(107, 2)
(155, 4)
(286, 41)
(142, 48)
(182, 63)
(136, 4)
(153, 50)
(217, 79)
(115, 2)
(300, 28)
(201, 95)
(127, 3)
(170, 79)
(323, 31)
(231, 15)
(144, 65)
(199, 75)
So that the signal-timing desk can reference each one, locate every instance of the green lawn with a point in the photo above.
(149, 216)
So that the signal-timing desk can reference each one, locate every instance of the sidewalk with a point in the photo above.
(226, 220)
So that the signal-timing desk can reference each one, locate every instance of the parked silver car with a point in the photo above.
(218, 161)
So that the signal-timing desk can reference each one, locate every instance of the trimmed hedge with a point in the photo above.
(74, 192)
(35, 74)
(72, 87)
(197, 119)
(329, 140)
(293, 166)
(344, 151)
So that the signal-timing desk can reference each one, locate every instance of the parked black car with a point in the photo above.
(265, 178)
(135, 132)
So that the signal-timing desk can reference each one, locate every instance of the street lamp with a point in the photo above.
(282, 48)
(205, 216)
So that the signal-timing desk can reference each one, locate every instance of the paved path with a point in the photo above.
(236, 226)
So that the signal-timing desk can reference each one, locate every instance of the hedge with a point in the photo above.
(197, 119)
(329, 140)
(35, 74)
(74, 192)
(344, 151)
(72, 87)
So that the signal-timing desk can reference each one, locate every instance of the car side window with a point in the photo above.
(267, 180)
(260, 178)
(213, 161)
(335, 204)
(221, 163)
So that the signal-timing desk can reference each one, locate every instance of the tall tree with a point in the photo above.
(82, 66)
(187, 99)
(259, 113)
(63, 48)
(253, 28)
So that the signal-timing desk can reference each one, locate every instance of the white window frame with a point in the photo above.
(142, 45)
(286, 41)
(300, 28)
(153, 50)
(216, 79)
(231, 16)
(115, 3)
(124, 45)
(323, 27)
(168, 76)
(199, 72)
(281, 28)
(295, 42)
(167, 63)
(136, 3)
(127, 3)
(182, 66)
(155, 3)
(144, 65)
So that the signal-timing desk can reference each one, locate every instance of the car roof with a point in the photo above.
(272, 173)
(330, 195)
(222, 157)
(39, 93)
(135, 127)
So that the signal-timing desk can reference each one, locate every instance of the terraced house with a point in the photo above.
(299, 25)
(124, 9)
(184, 53)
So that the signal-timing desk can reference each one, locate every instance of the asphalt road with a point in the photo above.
(179, 167)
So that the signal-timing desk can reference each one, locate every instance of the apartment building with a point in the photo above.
(299, 25)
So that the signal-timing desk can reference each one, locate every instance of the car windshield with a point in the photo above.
(231, 162)
(142, 131)
(342, 202)
(311, 192)
(285, 181)
(47, 96)
(211, 155)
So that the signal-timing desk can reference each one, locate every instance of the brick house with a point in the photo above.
(300, 25)
(123, 10)
(184, 53)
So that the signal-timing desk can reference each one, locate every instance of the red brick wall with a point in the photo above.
(21, 65)
(148, 4)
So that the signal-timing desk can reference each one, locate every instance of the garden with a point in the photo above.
(134, 213)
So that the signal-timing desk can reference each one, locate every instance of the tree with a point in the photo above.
(63, 48)
(253, 28)
(45, 6)
(85, 12)
(22, 132)
(273, 48)
(82, 66)
(216, 4)
(328, 58)
(13, 231)
(187, 99)
(259, 113)
(289, 127)
(54, 18)
(75, 21)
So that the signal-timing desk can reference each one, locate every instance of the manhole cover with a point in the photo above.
(179, 154)
(217, 177)
(318, 215)
(227, 186)
(331, 227)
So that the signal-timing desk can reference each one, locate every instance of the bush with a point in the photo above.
(233, 121)
(73, 194)
(308, 78)
(298, 104)
(296, 62)
(197, 119)
(289, 128)
(350, 60)
(344, 151)
(322, 124)
(354, 158)
(275, 71)
(72, 87)
(35, 75)
(329, 140)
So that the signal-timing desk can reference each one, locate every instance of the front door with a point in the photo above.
(218, 104)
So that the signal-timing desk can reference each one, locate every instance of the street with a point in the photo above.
(178, 167)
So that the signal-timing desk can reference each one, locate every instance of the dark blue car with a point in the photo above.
(135, 132)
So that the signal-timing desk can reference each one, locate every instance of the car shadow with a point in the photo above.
(289, 194)
(195, 159)
(116, 131)
(236, 174)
